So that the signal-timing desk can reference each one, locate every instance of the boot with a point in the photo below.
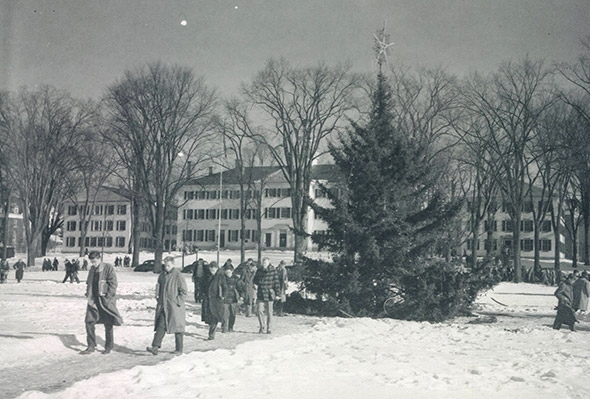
(178, 338)
(152, 349)
(87, 351)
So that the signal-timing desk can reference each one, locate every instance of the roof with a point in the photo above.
(103, 194)
(327, 172)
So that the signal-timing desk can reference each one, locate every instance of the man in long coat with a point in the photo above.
(170, 310)
(565, 312)
(101, 291)
(212, 309)
(267, 283)
(581, 292)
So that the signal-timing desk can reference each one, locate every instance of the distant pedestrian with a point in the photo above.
(170, 309)
(283, 285)
(581, 289)
(267, 282)
(565, 312)
(101, 291)
(55, 264)
(4, 269)
(20, 270)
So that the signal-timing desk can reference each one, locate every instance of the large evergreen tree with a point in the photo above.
(389, 216)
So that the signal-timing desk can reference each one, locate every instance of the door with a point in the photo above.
(222, 239)
(267, 239)
(283, 240)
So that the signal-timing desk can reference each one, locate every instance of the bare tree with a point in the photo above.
(305, 106)
(41, 130)
(157, 112)
(578, 75)
(511, 102)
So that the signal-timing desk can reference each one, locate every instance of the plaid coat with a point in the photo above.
(268, 284)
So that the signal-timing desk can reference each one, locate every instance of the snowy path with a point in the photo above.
(519, 356)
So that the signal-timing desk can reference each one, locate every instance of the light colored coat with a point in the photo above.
(172, 301)
(107, 296)
(581, 292)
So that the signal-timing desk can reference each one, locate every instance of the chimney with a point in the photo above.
(210, 170)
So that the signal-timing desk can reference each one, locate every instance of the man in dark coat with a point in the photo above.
(101, 291)
(283, 285)
(229, 292)
(565, 312)
(197, 277)
(20, 270)
(212, 312)
(267, 282)
(170, 310)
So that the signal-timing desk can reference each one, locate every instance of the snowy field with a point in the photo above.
(518, 356)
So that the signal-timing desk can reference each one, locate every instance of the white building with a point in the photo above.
(211, 204)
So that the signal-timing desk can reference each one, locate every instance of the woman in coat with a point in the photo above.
(565, 312)
(170, 310)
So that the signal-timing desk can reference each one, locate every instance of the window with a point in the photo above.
(319, 193)
(100, 241)
(211, 213)
(120, 242)
(526, 225)
(93, 241)
(224, 213)
(233, 235)
(109, 242)
(110, 209)
(108, 225)
(491, 225)
(545, 245)
(121, 225)
(270, 192)
(96, 225)
(189, 214)
(212, 195)
(285, 213)
(98, 209)
(285, 192)
(506, 225)
(121, 209)
(203, 195)
(72, 210)
(210, 235)
(469, 245)
(71, 226)
(527, 206)
(189, 195)
(526, 245)
(71, 241)
(271, 213)
(174, 231)
(546, 226)
(234, 214)
(200, 235)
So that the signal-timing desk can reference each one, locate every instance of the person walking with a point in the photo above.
(581, 289)
(170, 309)
(20, 270)
(267, 282)
(283, 285)
(4, 269)
(230, 295)
(247, 282)
(68, 268)
(212, 306)
(101, 292)
(197, 276)
(565, 312)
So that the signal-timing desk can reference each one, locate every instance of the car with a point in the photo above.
(146, 266)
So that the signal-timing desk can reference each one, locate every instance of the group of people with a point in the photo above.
(572, 295)
(48, 265)
(218, 289)
(19, 266)
(126, 261)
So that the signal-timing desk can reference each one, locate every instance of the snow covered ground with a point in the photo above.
(519, 356)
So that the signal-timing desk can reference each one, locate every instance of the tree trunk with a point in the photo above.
(5, 232)
(136, 231)
(516, 245)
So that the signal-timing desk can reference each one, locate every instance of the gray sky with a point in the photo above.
(83, 46)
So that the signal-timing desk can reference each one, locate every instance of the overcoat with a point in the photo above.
(581, 293)
(565, 312)
(172, 287)
(214, 306)
(107, 296)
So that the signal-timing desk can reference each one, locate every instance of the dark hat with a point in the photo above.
(228, 266)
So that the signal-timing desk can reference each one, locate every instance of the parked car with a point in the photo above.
(146, 266)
